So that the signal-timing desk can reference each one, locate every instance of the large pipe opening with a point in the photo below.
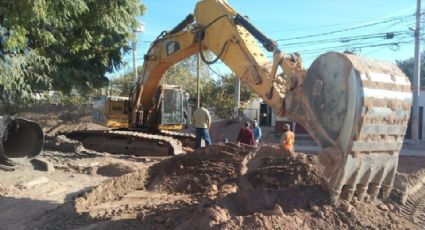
(22, 138)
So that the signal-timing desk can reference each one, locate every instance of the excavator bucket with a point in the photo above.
(357, 110)
(20, 138)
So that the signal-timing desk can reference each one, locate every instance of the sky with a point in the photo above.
(297, 26)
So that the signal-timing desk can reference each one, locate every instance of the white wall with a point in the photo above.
(253, 108)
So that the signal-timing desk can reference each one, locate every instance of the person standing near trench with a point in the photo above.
(245, 135)
(288, 138)
(201, 119)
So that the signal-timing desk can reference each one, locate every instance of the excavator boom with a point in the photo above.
(356, 109)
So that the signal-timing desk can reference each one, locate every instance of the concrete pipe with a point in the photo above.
(20, 138)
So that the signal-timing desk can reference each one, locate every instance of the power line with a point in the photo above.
(343, 30)
(335, 24)
(353, 47)
(347, 39)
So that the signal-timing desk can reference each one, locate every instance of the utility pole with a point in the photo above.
(141, 29)
(237, 96)
(198, 82)
(416, 75)
(134, 43)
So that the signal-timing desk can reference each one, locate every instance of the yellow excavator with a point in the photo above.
(356, 109)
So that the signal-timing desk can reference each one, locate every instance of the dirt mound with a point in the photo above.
(72, 126)
(266, 188)
(273, 168)
(196, 172)
(110, 190)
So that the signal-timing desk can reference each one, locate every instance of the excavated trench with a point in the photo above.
(126, 143)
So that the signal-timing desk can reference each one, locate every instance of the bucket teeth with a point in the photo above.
(361, 192)
(348, 193)
(363, 177)
(386, 191)
(374, 191)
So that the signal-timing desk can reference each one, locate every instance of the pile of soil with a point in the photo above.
(273, 168)
(266, 188)
(196, 172)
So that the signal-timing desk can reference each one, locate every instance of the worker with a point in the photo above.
(245, 135)
(257, 132)
(202, 121)
(288, 138)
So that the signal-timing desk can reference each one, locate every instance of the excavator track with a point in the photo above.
(187, 139)
(128, 142)
(414, 209)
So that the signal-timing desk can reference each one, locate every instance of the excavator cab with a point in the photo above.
(171, 112)
(174, 109)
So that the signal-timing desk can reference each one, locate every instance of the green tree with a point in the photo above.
(407, 67)
(20, 76)
(80, 40)
(220, 94)
(184, 75)
(123, 85)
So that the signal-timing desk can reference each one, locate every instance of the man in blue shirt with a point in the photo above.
(257, 132)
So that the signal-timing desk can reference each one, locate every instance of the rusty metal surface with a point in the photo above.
(357, 110)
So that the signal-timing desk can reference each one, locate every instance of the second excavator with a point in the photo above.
(356, 109)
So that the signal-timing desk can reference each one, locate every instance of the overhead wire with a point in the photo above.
(344, 30)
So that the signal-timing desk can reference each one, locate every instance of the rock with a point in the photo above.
(276, 211)
(347, 207)
(355, 202)
(313, 207)
(146, 160)
(212, 190)
(391, 207)
(383, 207)
(42, 165)
(217, 215)
(228, 188)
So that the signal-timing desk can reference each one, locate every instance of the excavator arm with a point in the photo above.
(356, 109)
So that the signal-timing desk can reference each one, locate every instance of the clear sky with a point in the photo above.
(282, 20)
